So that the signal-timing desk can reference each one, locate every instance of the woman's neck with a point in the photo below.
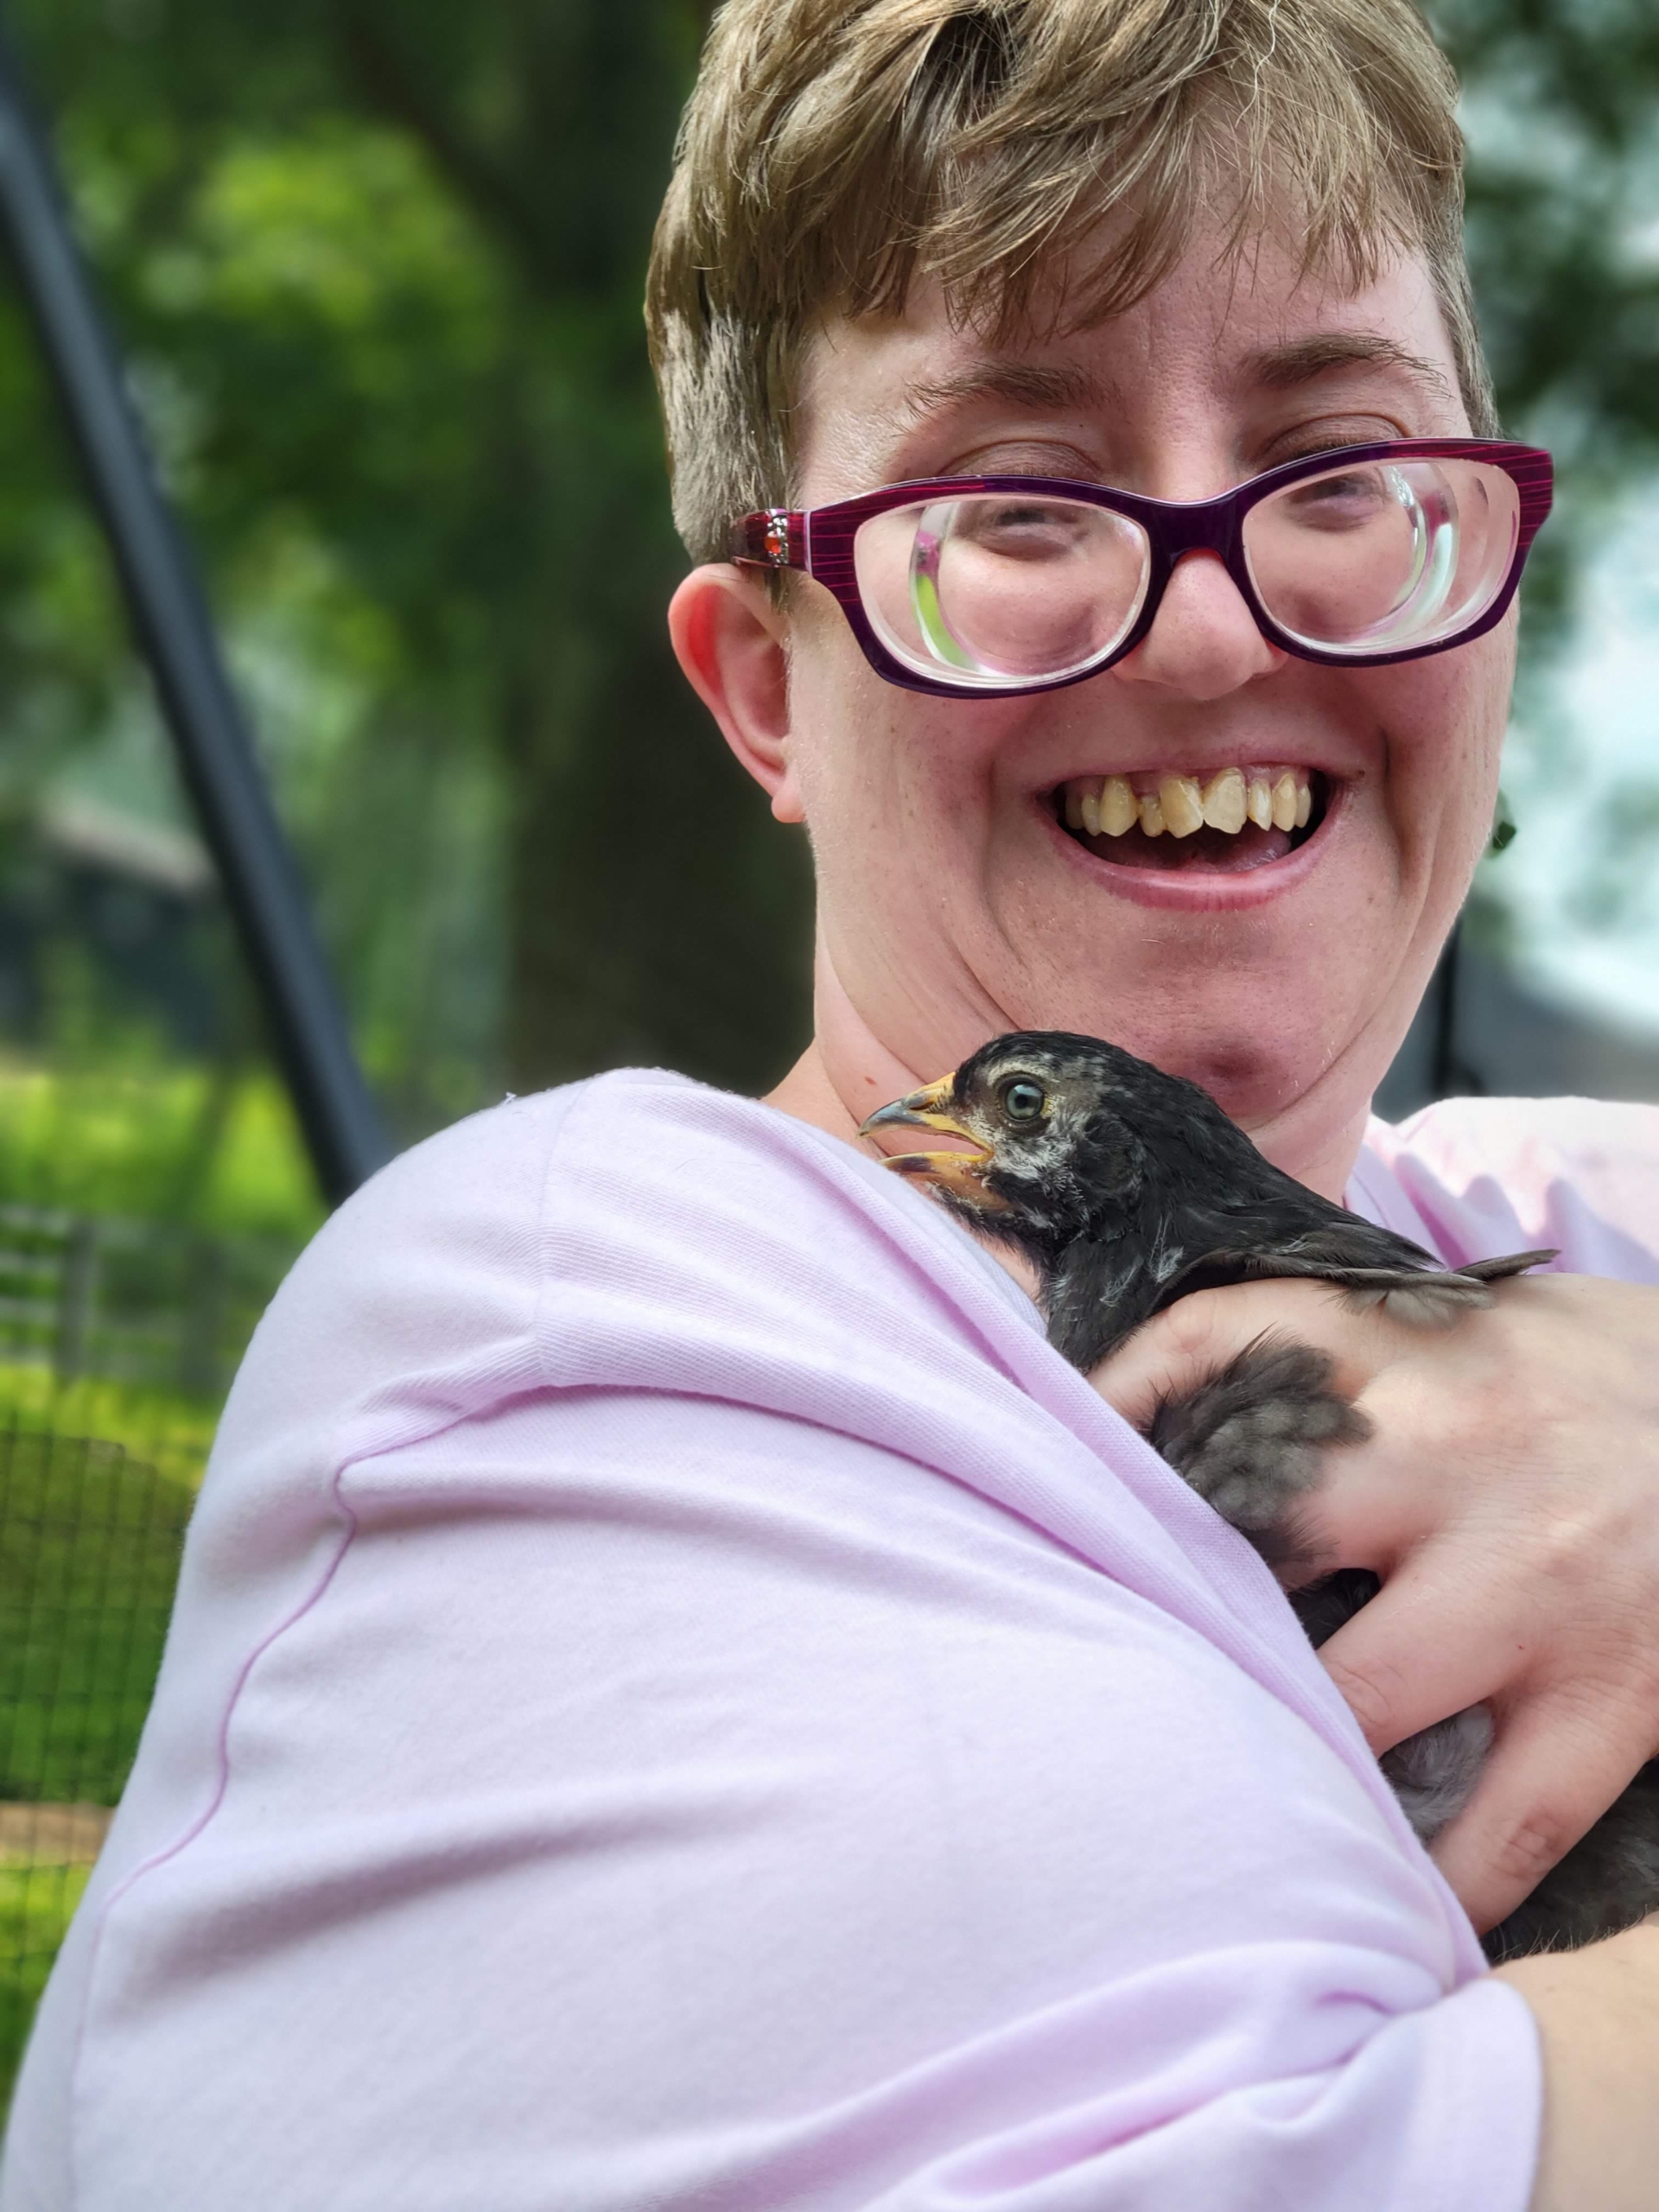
(846, 1073)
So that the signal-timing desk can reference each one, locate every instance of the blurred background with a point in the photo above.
(376, 267)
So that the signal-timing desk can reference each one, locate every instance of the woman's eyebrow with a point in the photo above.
(1029, 385)
(1297, 361)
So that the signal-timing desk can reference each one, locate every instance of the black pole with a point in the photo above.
(169, 615)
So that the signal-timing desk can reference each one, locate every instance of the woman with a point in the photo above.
(678, 1696)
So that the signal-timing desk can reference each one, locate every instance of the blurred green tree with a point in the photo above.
(1561, 109)
(379, 267)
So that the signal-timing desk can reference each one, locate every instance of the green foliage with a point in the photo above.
(158, 1143)
(1561, 109)
(379, 268)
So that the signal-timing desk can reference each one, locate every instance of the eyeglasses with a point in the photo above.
(964, 586)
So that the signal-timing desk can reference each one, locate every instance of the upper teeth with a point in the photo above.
(1278, 798)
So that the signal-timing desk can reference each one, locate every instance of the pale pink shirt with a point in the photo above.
(679, 1698)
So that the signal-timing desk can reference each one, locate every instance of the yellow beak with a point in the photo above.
(955, 1171)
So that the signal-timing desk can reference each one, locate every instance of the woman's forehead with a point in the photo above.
(1223, 334)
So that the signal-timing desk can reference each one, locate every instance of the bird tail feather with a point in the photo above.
(1431, 1299)
(1512, 1263)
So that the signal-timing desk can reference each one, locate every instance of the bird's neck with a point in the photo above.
(1097, 1292)
(1315, 1141)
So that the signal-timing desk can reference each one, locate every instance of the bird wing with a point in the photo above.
(1412, 1289)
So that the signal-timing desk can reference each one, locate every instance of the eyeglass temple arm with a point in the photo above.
(773, 537)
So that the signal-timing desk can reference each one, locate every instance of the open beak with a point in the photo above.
(959, 1172)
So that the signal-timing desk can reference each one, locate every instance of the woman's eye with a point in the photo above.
(1021, 533)
(1338, 502)
(1024, 1102)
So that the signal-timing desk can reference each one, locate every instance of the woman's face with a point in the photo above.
(954, 902)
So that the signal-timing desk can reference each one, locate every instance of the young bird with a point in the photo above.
(1127, 1189)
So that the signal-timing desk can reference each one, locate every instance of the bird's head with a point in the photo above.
(1048, 1151)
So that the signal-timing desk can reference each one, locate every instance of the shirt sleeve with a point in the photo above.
(1490, 1175)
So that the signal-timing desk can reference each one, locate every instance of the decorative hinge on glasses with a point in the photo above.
(771, 538)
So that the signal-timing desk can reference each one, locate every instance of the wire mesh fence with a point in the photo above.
(118, 1339)
(90, 1540)
(139, 1302)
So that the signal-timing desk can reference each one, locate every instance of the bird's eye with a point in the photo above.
(1023, 1100)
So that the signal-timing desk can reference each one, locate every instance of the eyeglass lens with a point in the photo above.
(998, 589)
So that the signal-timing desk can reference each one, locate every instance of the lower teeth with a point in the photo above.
(1250, 847)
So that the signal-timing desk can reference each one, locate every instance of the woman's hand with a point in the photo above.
(1509, 1499)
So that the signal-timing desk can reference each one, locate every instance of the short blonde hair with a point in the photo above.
(834, 150)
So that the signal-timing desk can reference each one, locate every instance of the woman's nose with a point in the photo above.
(1203, 642)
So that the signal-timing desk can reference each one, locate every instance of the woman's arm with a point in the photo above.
(1598, 2014)
(1510, 1496)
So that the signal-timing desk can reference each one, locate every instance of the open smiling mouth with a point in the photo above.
(1235, 819)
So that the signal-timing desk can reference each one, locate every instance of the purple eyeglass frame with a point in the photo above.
(819, 542)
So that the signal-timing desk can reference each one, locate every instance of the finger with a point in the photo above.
(1554, 1770)
(1428, 1644)
(1180, 1348)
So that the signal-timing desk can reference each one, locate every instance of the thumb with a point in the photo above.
(1179, 1349)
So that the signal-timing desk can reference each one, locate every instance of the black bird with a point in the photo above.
(1127, 1189)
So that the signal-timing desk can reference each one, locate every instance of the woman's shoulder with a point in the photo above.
(577, 1236)
(1480, 1174)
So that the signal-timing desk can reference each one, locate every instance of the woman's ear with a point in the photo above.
(728, 638)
